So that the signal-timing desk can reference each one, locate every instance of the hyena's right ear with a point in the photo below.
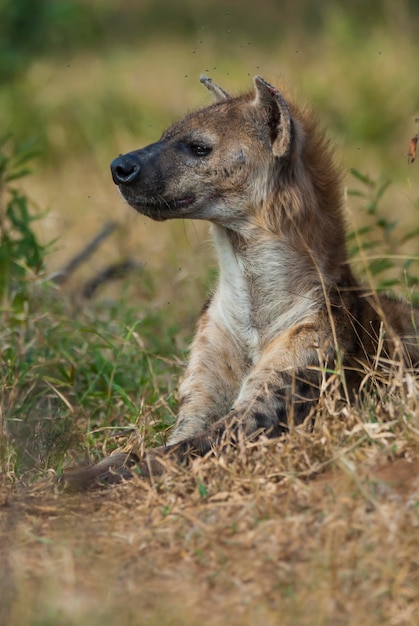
(276, 111)
(218, 93)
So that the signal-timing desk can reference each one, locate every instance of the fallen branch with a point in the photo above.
(63, 275)
(115, 271)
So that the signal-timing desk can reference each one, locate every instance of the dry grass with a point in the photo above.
(320, 528)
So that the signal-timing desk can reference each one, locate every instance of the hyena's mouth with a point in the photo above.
(160, 208)
(181, 203)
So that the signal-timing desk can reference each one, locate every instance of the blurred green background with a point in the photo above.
(90, 79)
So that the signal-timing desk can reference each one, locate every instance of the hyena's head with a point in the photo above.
(224, 163)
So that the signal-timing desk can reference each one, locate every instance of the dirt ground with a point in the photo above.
(217, 544)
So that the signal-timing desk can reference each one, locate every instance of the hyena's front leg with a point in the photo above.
(282, 387)
(217, 365)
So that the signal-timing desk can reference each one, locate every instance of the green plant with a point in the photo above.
(65, 372)
(22, 256)
(380, 244)
(72, 384)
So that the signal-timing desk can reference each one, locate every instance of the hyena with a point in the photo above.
(287, 306)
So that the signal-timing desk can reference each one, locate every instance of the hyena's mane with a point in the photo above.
(306, 195)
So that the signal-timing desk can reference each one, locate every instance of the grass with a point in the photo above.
(319, 528)
(67, 369)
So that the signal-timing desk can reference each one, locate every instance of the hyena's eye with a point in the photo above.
(200, 149)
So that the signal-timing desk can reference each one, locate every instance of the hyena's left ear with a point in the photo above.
(218, 93)
(278, 114)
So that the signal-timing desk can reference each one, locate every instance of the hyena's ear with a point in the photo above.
(278, 115)
(218, 93)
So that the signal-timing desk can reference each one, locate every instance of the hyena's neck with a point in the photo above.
(264, 286)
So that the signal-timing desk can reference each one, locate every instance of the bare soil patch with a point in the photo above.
(218, 544)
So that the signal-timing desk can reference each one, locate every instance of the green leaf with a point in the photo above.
(362, 177)
(382, 189)
(356, 192)
(127, 400)
(16, 175)
(202, 490)
(377, 266)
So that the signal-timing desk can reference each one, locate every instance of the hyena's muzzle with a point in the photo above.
(145, 179)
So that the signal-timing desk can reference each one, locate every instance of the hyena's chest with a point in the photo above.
(235, 310)
(241, 303)
(255, 301)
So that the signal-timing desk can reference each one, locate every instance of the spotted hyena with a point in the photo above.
(287, 305)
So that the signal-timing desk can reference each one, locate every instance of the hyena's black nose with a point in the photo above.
(125, 169)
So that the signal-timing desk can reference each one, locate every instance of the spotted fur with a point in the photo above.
(258, 168)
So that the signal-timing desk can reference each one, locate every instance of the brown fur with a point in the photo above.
(287, 304)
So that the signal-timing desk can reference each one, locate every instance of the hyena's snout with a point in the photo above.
(142, 180)
(141, 170)
(126, 169)
(148, 179)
